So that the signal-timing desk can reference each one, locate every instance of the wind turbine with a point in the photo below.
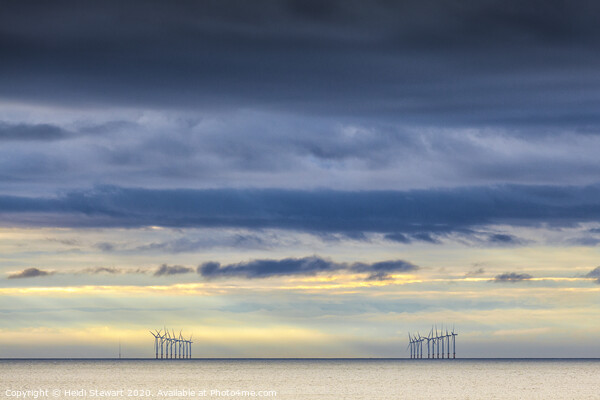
(190, 355)
(437, 342)
(180, 345)
(410, 345)
(454, 335)
(162, 341)
(155, 343)
(429, 338)
(171, 341)
(418, 344)
(175, 342)
(434, 341)
(448, 340)
(169, 345)
(442, 337)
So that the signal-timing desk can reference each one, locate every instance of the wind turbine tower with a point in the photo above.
(448, 342)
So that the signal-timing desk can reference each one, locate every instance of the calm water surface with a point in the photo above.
(301, 379)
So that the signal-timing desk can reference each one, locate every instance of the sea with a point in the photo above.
(305, 379)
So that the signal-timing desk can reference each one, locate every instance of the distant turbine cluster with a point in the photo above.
(170, 345)
(434, 342)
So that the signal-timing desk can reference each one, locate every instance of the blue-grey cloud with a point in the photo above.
(398, 237)
(425, 237)
(307, 266)
(595, 274)
(418, 213)
(512, 277)
(165, 269)
(475, 272)
(185, 244)
(31, 132)
(105, 246)
(382, 270)
(504, 239)
(30, 273)
(585, 241)
(101, 270)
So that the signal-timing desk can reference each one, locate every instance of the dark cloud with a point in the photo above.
(66, 242)
(397, 237)
(419, 213)
(475, 272)
(29, 273)
(379, 276)
(504, 239)
(595, 274)
(512, 277)
(419, 61)
(34, 272)
(102, 270)
(268, 268)
(185, 244)
(105, 246)
(501, 238)
(28, 132)
(385, 266)
(381, 271)
(306, 266)
(425, 237)
(172, 270)
(585, 241)
(114, 270)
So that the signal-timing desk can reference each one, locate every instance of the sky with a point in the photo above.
(299, 178)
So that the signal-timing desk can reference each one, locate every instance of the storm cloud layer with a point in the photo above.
(472, 62)
(419, 213)
(298, 94)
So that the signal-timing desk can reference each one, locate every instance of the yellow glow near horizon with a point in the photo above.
(316, 284)
(216, 334)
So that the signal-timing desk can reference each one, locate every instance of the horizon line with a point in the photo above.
(287, 358)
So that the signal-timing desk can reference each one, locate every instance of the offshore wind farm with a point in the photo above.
(434, 341)
(171, 346)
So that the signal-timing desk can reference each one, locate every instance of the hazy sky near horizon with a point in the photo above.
(299, 178)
